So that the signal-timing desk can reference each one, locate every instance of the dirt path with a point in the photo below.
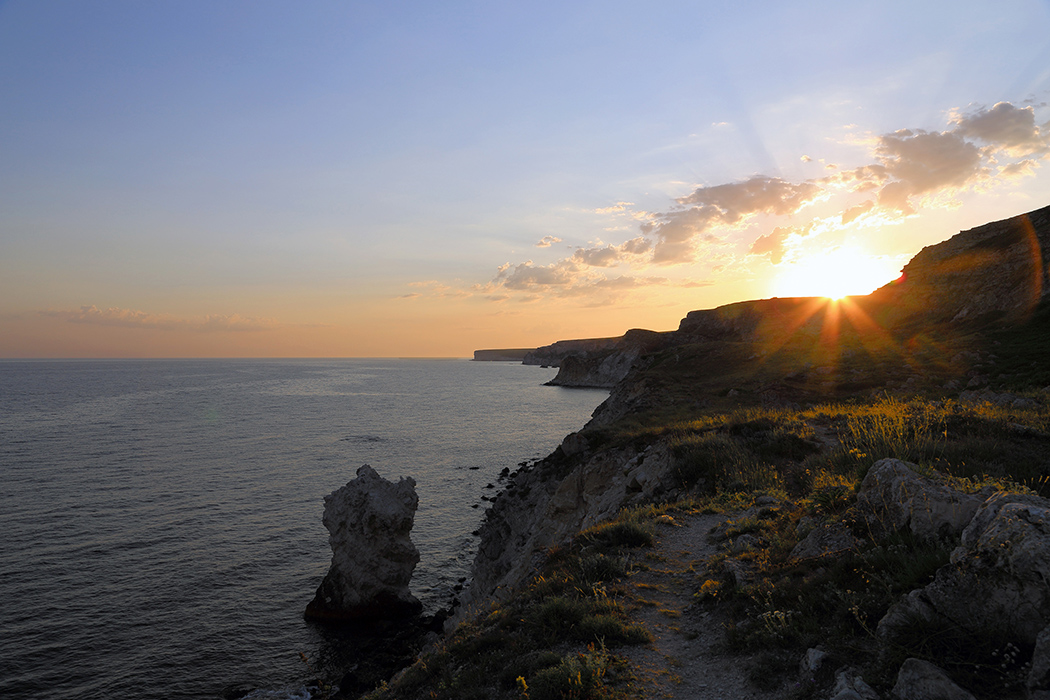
(684, 663)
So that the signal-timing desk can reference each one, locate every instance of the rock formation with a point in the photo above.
(552, 355)
(604, 367)
(502, 354)
(996, 583)
(921, 680)
(369, 521)
(893, 497)
(553, 500)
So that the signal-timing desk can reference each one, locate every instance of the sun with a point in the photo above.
(834, 274)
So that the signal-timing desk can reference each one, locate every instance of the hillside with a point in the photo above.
(874, 471)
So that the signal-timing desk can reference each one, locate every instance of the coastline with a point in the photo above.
(747, 411)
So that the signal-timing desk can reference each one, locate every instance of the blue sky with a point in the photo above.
(314, 178)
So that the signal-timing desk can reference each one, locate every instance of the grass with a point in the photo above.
(555, 639)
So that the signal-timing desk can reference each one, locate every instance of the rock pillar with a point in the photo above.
(369, 521)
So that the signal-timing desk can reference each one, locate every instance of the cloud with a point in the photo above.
(608, 256)
(528, 276)
(617, 208)
(722, 206)
(565, 278)
(637, 246)
(771, 244)
(853, 213)
(1015, 171)
(1004, 126)
(922, 162)
(547, 241)
(131, 318)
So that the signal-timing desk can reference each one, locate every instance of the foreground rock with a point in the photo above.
(894, 498)
(996, 584)
(369, 521)
(921, 680)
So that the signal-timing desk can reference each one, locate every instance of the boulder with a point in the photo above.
(996, 583)
(1039, 672)
(921, 680)
(850, 686)
(893, 497)
(369, 521)
(830, 539)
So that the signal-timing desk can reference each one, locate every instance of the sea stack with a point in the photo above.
(369, 521)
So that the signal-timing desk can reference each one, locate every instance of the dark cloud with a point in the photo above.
(1006, 126)
(921, 162)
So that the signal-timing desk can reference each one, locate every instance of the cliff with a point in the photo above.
(769, 353)
(502, 355)
(853, 497)
(553, 354)
(604, 367)
(996, 273)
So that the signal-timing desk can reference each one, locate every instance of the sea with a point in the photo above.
(160, 520)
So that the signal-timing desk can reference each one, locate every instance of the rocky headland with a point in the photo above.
(879, 467)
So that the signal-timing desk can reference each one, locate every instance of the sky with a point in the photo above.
(361, 179)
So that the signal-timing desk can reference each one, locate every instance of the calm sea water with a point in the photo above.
(160, 521)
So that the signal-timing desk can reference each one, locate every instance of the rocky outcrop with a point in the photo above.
(831, 539)
(921, 680)
(893, 497)
(369, 521)
(595, 370)
(998, 582)
(502, 355)
(606, 367)
(553, 354)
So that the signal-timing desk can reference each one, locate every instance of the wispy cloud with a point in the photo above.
(131, 318)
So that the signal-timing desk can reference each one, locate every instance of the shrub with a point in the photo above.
(618, 534)
(577, 677)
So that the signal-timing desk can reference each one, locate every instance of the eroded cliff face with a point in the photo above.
(604, 367)
(548, 503)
